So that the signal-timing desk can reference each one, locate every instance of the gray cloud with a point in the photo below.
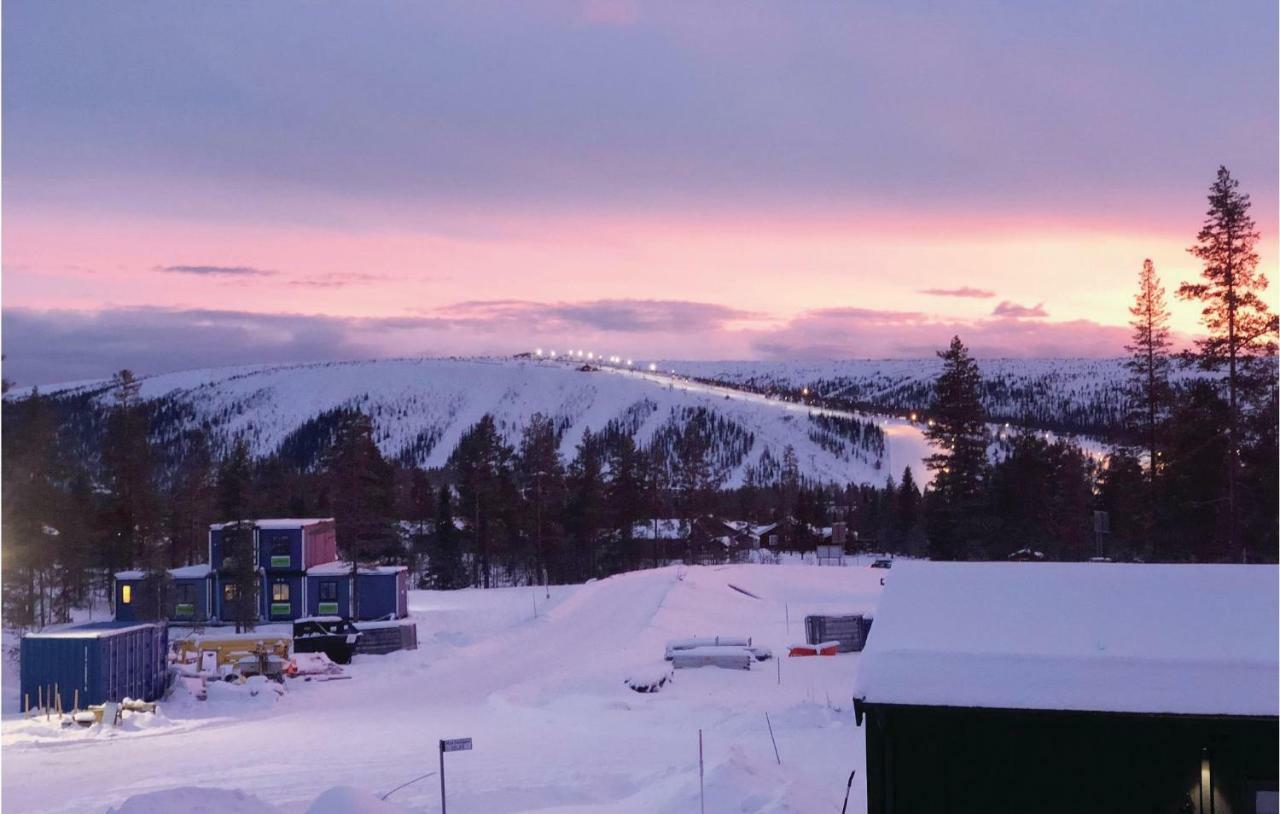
(864, 333)
(614, 316)
(963, 291)
(338, 280)
(217, 271)
(1011, 310)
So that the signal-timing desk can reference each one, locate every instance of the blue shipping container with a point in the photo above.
(104, 661)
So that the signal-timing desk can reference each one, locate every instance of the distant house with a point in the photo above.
(296, 560)
(1058, 687)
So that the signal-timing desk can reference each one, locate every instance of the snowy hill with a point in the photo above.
(1070, 395)
(422, 407)
(748, 411)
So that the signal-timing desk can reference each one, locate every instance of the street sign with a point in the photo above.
(455, 745)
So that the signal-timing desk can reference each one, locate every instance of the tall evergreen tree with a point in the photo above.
(958, 433)
(1148, 361)
(445, 569)
(234, 484)
(363, 500)
(1242, 331)
(585, 511)
(420, 505)
(540, 474)
(481, 463)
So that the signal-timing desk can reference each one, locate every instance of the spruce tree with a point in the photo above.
(1242, 331)
(445, 569)
(585, 511)
(363, 500)
(958, 433)
(481, 463)
(1148, 363)
(540, 475)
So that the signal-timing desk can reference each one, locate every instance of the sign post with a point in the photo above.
(450, 745)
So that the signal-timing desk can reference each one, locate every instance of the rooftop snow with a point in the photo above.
(277, 522)
(1178, 639)
(191, 571)
(339, 568)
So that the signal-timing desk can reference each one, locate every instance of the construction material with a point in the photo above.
(850, 631)
(820, 649)
(104, 661)
(732, 658)
(706, 641)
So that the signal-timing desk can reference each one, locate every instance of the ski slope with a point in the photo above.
(555, 728)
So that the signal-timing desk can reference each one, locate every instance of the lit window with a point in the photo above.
(229, 592)
(280, 592)
(126, 594)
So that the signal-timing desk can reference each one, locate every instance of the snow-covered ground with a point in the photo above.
(537, 682)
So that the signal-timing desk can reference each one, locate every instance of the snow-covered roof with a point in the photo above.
(130, 575)
(94, 630)
(198, 571)
(276, 522)
(291, 522)
(339, 568)
(1178, 639)
(667, 529)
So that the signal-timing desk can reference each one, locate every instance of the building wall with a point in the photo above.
(383, 595)
(322, 544)
(197, 610)
(282, 598)
(127, 611)
(280, 550)
(930, 759)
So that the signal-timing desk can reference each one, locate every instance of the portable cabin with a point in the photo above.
(293, 546)
(127, 594)
(384, 591)
(1066, 687)
(93, 663)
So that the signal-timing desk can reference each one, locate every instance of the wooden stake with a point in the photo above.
(75, 703)
(26, 704)
(40, 697)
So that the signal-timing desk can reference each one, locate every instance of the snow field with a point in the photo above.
(555, 727)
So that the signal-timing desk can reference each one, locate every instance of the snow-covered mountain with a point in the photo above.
(422, 407)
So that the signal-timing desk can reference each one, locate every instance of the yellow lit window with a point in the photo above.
(126, 594)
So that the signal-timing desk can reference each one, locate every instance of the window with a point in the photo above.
(328, 590)
(280, 592)
(229, 592)
(126, 594)
(280, 556)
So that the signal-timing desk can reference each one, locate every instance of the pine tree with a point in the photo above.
(585, 511)
(1148, 362)
(908, 508)
(363, 500)
(132, 521)
(625, 494)
(540, 474)
(239, 565)
(418, 510)
(445, 569)
(1242, 331)
(481, 463)
(958, 433)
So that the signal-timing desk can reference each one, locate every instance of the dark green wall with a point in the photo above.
(942, 760)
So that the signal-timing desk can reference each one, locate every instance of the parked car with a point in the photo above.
(882, 563)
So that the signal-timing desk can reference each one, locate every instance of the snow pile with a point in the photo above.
(194, 800)
(1181, 639)
(351, 800)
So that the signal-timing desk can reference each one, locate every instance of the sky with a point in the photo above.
(191, 184)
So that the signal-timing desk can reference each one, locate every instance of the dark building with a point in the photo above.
(93, 663)
(1054, 687)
